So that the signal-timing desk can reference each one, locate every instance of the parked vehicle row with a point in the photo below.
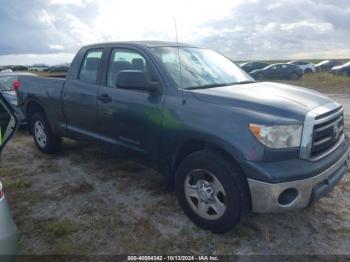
(293, 69)
(38, 68)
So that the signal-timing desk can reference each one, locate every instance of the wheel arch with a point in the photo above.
(31, 108)
(190, 145)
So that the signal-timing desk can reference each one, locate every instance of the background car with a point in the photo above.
(250, 66)
(8, 229)
(58, 69)
(6, 89)
(307, 67)
(326, 65)
(343, 70)
(6, 70)
(278, 71)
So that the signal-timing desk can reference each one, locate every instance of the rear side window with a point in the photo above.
(90, 66)
(6, 83)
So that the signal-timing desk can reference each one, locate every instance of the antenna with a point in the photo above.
(180, 67)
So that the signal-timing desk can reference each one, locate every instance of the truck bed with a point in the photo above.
(45, 91)
(42, 87)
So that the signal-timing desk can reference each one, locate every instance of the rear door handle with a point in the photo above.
(105, 98)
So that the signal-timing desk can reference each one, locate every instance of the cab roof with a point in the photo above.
(148, 44)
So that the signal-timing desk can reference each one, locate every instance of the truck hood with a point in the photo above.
(266, 97)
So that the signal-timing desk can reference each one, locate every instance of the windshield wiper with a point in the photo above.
(243, 82)
(219, 85)
(207, 86)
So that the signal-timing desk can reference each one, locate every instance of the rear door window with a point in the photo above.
(90, 66)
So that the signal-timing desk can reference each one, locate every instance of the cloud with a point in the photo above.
(287, 29)
(35, 27)
(251, 29)
(56, 47)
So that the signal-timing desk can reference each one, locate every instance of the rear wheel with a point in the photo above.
(212, 191)
(345, 73)
(46, 141)
(293, 76)
(308, 71)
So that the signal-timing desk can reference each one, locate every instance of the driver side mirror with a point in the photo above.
(135, 80)
(8, 122)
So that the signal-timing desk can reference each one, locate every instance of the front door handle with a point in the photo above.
(105, 98)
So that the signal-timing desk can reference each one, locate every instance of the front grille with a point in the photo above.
(327, 132)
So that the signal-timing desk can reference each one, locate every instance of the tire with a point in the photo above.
(259, 77)
(308, 71)
(293, 76)
(46, 141)
(224, 203)
(345, 73)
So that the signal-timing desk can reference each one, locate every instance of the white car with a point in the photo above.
(6, 71)
(307, 67)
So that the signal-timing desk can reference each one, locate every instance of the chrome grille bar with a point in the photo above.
(315, 117)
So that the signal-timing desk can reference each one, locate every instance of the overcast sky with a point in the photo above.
(51, 31)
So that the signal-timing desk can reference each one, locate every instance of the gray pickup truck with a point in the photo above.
(226, 144)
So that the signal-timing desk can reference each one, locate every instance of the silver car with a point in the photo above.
(8, 230)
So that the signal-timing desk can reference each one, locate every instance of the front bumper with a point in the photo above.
(8, 232)
(279, 197)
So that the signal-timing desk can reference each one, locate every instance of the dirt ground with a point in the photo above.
(91, 200)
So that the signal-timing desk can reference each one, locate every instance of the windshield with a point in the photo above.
(6, 83)
(323, 63)
(200, 68)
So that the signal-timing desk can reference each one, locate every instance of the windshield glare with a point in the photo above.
(199, 67)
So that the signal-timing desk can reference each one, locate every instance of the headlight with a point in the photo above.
(279, 136)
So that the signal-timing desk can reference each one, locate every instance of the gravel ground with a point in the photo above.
(90, 200)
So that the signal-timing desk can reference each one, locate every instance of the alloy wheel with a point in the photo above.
(205, 194)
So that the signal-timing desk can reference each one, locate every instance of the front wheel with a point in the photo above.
(212, 191)
(46, 141)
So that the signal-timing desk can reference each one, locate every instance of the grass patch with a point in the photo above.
(10, 171)
(18, 184)
(80, 188)
(184, 231)
(322, 81)
(57, 228)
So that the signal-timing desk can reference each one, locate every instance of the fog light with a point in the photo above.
(287, 196)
